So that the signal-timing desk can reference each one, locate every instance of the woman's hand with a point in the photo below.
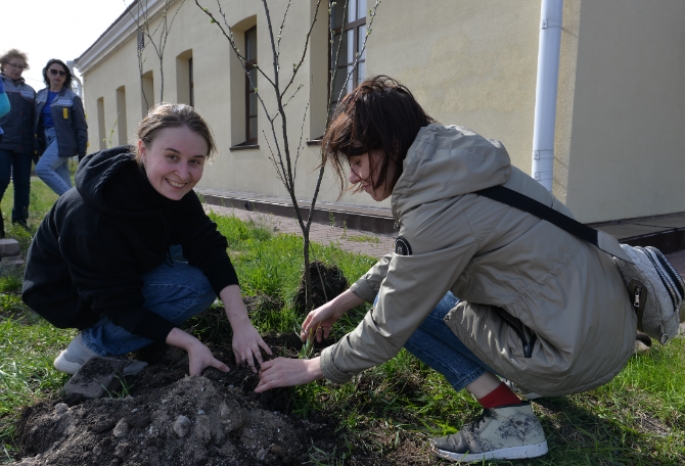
(246, 345)
(285, 372)
(246, 340)
(199, 356)
(321, 320)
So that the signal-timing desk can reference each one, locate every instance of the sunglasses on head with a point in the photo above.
(55, 72)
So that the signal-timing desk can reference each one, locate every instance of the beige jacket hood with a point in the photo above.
(539, 306)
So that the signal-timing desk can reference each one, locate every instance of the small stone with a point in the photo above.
(121, 429)
(200, 412)
(61, 408)
(9, 247)
(261, 454)
(182, 426)
(279, 451)
(121, 450)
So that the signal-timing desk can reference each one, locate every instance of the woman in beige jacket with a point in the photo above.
(537, 306)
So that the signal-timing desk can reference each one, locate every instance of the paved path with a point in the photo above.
(356, 241)
(361, 242)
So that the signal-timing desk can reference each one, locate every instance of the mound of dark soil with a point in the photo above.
(328, 282)
(163, 417)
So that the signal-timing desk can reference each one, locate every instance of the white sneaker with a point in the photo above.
(77, 353)
(507, 432)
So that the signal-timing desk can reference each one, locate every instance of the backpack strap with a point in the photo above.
(600, 239)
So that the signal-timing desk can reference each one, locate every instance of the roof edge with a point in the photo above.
(120, 30)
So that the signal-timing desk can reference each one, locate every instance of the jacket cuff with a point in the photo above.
(221, 275)
(363, 289)
(153, 327)
(330, 371)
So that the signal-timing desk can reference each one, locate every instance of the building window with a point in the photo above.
(102, 133)
(147, 92)
(351, 30)
(191, 83)
(184, 78)
(122, 126)
(251, 101)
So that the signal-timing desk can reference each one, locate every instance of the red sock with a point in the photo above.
(501, 396)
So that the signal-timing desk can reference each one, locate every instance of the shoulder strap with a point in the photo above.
(600, 239)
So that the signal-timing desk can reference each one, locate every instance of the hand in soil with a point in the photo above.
(246, 346)
(320, 321)
(286, 372)
(200, 358)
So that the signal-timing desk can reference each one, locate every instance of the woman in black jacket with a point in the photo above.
(129, 254)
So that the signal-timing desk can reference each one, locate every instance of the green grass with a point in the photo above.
(636, 419)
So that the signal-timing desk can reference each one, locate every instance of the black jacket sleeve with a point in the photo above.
(203, 246)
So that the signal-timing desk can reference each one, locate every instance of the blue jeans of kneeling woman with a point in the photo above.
(434, 344)
(176, 292)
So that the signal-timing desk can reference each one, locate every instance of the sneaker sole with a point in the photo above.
(62, 364)
(513, 453)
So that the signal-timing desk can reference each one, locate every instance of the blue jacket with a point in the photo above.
(18, 123)
(70, 123)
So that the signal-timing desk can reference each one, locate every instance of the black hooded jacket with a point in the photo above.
(87, 257)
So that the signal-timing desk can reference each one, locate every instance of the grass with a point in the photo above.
(636, 419)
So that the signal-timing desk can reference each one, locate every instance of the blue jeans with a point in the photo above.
(51, 168)
(17, 166)
(438, 347)
(176, 293)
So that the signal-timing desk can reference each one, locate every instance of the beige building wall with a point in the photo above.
(468, 62)
(628, 130)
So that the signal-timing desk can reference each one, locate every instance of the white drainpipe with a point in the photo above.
(79, 84)
(546, 92)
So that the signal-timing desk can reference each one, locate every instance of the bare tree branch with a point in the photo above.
(296, 67)
(299, 145)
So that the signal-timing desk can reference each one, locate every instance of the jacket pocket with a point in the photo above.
(525, 334)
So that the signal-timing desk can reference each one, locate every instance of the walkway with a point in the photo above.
(374, 245)
(361, 242)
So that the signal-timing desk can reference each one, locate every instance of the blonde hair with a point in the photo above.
(10, 54)
(166, 115)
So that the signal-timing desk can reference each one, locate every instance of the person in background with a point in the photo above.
(17, 144)
(60, 126)
(129, 254)
(475, 289)
(4, 104)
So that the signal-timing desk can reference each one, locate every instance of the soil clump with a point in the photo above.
(327, 281)
(163, 417)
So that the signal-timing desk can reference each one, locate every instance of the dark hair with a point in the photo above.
(52, 61)
(378, 115)
(165, 115)
(10, 54)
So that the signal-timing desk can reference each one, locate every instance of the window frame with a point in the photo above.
(250, 61)
(358, 42)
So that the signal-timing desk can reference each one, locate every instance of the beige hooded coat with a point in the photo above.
(540, 307)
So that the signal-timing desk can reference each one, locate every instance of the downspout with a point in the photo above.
(79, 84)
(546, 92)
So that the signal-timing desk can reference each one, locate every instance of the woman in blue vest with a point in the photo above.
(60, 126)
(16, 146)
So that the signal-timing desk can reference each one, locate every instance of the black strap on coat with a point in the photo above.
(522, 202)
